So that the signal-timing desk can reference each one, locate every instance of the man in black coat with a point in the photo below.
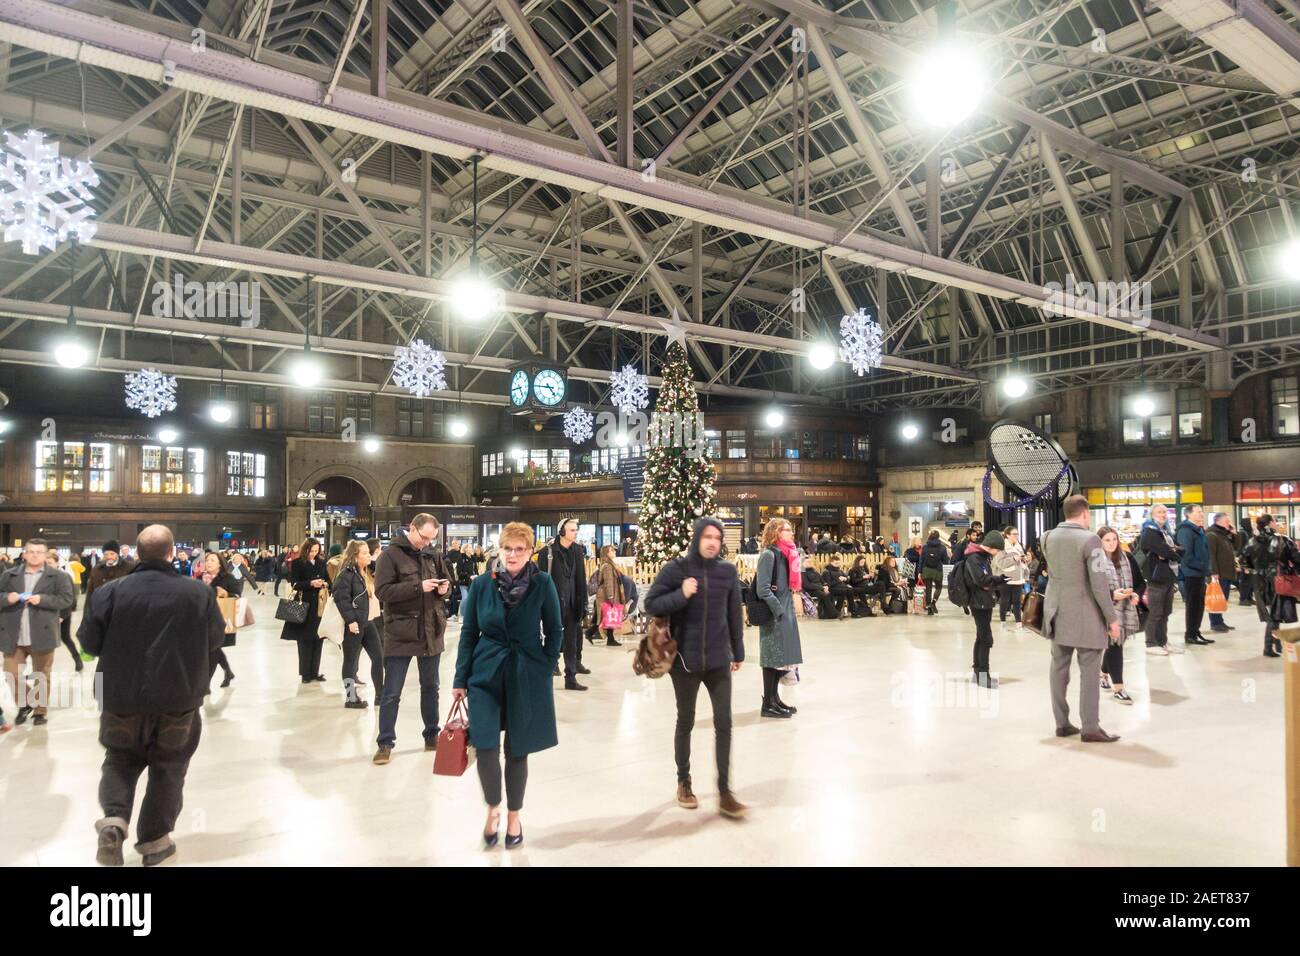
(837, 582)
(701, 594)
(411, 582)
(565, 561)
(815, 586)
(157, 636)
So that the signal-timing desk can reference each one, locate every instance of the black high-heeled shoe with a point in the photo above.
(514, 841)
(490, 839)
(230, 675)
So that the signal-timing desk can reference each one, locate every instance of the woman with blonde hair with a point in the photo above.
(504, 673)
(354, 595)
(609, 590)
(779, 576)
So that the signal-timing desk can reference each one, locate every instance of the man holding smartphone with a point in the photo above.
(411, 582)
(31, 596)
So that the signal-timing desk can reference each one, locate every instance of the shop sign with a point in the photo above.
(632, 471)
(1135, 476)
(822, 514)
(462, 516)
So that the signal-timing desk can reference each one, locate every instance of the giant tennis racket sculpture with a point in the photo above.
(1029, 463)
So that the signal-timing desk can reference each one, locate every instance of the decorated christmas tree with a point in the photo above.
(678, 475)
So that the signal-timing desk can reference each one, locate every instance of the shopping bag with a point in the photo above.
(611, 616)
(451, 759)
(1031, 612)
(918, 599)
(228, 606)
(1215, 601)
(243, 613)
(331, 624)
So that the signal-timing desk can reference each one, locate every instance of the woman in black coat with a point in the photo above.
(216, 574)
(863, 588)
(354, 595)
(307, 577)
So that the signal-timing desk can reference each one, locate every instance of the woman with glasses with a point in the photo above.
(504, 673)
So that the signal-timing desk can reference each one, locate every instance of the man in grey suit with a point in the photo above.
(1078, 615)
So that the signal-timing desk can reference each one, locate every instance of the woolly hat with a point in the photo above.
(112, 546)
(992, 540)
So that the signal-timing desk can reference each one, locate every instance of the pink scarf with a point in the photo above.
(792, 557)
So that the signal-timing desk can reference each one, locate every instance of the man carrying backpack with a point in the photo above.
(933, 557)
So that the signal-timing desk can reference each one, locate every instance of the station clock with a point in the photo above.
(538, 387)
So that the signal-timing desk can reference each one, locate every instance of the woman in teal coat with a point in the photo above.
(505, 672)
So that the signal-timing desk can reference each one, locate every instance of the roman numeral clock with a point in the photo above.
(538, 390)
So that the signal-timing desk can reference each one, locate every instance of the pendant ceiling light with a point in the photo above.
(472, 297)
(69, 350)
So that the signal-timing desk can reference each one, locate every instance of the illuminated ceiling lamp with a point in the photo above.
(950, 79)
(910, 431)
(1142, 404)
(472, 297)
(305, 370)
(1015, 386)
(69, 350)
(774, 418)
(220, 411)
(821, 356)
(1290, 260)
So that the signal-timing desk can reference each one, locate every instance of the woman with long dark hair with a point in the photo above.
(354, 595)
(609, 590)
(1126, 586)
(307, 578)
(505, 672)
(216, 574)
(862, 587)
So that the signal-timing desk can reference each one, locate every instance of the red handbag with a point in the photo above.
(452, 756)
(1287, 585)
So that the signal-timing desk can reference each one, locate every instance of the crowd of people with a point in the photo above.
(394, 599)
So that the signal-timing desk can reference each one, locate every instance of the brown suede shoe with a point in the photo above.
(730, 807)
(430, 746)
(685, 798)
(1100, 737)
(382, 755)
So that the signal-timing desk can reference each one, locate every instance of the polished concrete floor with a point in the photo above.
(894, 758)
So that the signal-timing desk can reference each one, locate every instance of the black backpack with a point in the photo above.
(959, 585)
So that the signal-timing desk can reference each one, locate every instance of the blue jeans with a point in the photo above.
(464, 594)
(395, 669)
(1216, 620)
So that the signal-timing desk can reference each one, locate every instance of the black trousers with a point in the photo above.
(219, 660)
(572, 644)
(1112, 662)
(686, 688)
(66, 638)
(983, 638)
(837, 599)
(933, 588)
(489, 776)
(309, 649)
(1010, 601)
(374, 648)
(160, 743)
(1194, 595)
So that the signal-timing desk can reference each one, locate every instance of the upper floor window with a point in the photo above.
(322, 412)
(713, 443)
(766, 444)
(1189, 414)
(245, 474)
(171, 470)
(1284, 395)
(494, 464)
(1043, 422)
(735, 443)
(263, 406)
(74, 466)
(416, 419)
(360, 408)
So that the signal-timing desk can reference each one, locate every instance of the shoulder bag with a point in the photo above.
(1031, 612)
(756, 609)
(291, 611)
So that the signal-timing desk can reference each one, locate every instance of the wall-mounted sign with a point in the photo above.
(633, 473)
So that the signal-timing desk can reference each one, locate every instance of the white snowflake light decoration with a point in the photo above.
(578, 424)
(150, 392)
(419, 368)
(629, 390)
(47, 196)
(861, 341)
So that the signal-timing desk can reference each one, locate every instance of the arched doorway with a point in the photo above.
(343, 496)
(422, 494)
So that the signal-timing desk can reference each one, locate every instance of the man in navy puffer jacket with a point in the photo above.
(700, 593)
(1193, 569)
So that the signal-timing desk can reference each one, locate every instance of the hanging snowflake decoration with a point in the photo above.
(420, 369)
(150, 392)
(578, 424)
(629, 390)
(47, 196)
(861, 341)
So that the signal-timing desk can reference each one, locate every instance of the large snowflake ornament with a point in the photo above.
(629, 390)
(861, 341)
(150, 392)
(47, 196)
(578, 424)
(419, 368)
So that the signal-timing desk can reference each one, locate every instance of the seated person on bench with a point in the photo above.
(889, 583)
(864, 588)
(838, 583)
(816, 588)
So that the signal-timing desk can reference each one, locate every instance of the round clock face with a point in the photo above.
(519, 388)
(548, 387)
